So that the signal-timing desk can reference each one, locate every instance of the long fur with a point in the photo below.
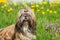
(16, 31)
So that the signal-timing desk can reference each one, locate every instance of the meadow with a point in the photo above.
(45, 13)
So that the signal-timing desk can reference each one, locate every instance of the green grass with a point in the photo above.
(8, 18)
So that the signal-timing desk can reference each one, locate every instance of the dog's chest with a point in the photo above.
(29, 35)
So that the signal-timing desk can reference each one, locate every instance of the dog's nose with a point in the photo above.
(25, 16)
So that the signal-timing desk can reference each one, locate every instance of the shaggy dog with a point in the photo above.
(24, 29)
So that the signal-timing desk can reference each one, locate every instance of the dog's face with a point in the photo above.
(26, 21)
(26, 17)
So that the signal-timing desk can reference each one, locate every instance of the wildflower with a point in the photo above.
(57, 2)
(5, 5)
(44, 2)
(4, 1)
(43, 13)
(47, 10)
(24, 4)
(55, 12)
(38, 10)
(10, 9)
(32, 6)
(37, 5)
(50, 11)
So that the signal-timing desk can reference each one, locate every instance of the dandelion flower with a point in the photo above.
(43, 13)
(57, 2)
(50, 11)
(10, 9)
(37, 5)
(38, 10)
(5, 5)
(44, 2)
(47, 10)
(55, 12)
(24, 3)
(4, 1)
(32, 6)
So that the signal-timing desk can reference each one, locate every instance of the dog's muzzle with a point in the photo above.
(26, 18)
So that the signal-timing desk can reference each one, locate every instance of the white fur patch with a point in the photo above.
(29, 35)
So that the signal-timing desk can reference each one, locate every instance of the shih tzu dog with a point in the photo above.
(24, 29)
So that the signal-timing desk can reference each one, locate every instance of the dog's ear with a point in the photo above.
(32, 26)
(34, 22)
(18, 27)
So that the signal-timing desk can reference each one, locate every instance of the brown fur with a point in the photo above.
(15, 32)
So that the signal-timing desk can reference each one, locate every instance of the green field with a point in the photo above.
(45, 13)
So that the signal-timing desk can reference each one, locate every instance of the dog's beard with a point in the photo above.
(26, 24)
(26, 29)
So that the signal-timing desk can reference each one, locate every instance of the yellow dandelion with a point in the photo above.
(4, 1)
(57, 2)
(55, 12)
(47, 10)
(5, 5)
(44, 2)
(50, 11)
(37, 5)
(32, 6)
(38, 10)
(10, 9)
(43, 13)
(24, 3)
